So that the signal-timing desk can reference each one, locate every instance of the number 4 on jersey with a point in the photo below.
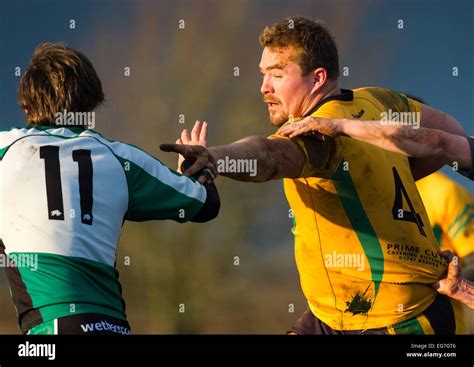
(54, 192)
(398, 212)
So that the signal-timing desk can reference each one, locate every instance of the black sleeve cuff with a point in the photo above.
(469, 173)
(211, 207)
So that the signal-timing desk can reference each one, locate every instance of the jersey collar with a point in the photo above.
(74, 129)
(345, 95)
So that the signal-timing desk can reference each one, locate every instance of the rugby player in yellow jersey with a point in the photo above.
(421, 143)
(364, 248)
(450, 209)
(455, 150)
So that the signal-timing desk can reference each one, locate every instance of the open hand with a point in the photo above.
(314, 126)
(450, 283)
(200, 159)
(198, 137)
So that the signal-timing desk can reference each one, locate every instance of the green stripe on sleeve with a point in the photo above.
(438, 232)
(405, 100)
(456, 221)
(150, 198)
(462, 226)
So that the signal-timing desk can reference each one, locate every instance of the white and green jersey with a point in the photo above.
(64, 194)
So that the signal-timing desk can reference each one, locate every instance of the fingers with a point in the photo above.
(453, 267)
(453, 272)
(448, 255)
(177, 148)
(451, 259)
(198, 165)
(208, 175)
(180, 157)
(198, 134)
(200, 157)
(185, 137)
(196, 131)
(192, 153)
(287, 130)
(301, 131)
(295, 131)
(203, 135)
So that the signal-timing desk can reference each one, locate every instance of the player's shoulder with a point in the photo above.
(15, 133)
(439, 179)
(440, 186)
(371, 89)
(9, 136)
(52, 130)
(378, 93)
(385, 98)
(15, 130)
(125, 151)
(380, 98)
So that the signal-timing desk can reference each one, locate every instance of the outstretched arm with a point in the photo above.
(430, 145)
(434, 119)
(274, 158)
(420, 143)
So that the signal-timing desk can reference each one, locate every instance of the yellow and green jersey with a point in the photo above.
(450, 208)
(364, 247)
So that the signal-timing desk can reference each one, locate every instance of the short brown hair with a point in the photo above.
(312, 39)
(59, 78)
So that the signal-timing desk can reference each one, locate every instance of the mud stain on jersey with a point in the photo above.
(360, 304)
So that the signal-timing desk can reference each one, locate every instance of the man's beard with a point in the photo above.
(277, 118)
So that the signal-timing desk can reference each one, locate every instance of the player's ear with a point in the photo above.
(319, 77)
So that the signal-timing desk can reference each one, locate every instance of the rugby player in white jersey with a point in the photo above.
(65, 192)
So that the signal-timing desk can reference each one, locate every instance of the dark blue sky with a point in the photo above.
(437, 36)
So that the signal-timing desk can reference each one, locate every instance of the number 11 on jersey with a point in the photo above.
(54, 193)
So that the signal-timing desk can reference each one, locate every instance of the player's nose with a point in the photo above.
(266, 87)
